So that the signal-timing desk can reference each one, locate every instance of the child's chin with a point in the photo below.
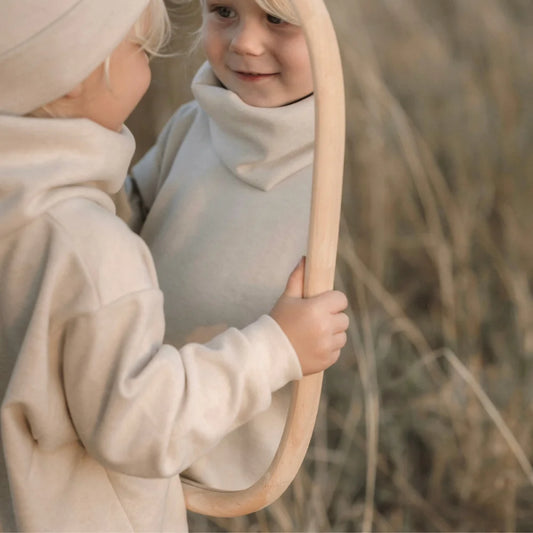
(268, 102)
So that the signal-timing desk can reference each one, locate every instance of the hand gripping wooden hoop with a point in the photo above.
(319, 275)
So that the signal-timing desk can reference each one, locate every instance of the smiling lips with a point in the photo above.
(253, 76)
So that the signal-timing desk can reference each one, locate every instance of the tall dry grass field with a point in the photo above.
(426, 423)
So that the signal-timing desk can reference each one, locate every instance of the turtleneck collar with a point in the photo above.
(44, 161)
(261, 146)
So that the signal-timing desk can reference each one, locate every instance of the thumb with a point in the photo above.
(295, 283)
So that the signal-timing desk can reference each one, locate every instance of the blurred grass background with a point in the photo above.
(426, 422)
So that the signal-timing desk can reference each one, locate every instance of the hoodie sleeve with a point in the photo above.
(139, 406)
(146, 409)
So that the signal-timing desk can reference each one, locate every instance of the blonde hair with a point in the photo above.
(152, 30)
(279, 8)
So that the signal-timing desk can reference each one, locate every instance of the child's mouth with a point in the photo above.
(253, 76)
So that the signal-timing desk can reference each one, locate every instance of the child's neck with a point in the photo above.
(298, 100)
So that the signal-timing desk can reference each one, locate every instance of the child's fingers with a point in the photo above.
(339, 341)
(333, 301)
(335, 356)
(339, 301)
(341, 322)
(295, 283)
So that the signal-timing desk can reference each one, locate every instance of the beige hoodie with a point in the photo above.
(98, 416)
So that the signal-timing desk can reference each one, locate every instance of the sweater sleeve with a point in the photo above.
(146, 409)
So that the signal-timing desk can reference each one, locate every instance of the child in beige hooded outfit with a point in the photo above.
(98, 416)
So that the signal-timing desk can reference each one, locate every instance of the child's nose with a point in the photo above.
(248, 39)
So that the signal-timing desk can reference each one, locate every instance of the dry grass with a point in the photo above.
(426, 422)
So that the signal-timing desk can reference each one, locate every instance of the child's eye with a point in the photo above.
(224, 12)
(274, 20)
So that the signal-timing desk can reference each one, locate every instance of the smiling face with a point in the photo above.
(261, 58)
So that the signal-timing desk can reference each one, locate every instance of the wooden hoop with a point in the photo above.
(319, 275)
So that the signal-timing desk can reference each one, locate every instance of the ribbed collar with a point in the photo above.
(44, 161)
(261, 146)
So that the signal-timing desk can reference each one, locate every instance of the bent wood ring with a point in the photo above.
(319, 275)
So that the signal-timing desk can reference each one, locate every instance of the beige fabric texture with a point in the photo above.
(48, 47)
(229, 186)
(99, 417)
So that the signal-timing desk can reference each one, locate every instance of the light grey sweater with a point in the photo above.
(98, 416)
(228, 189)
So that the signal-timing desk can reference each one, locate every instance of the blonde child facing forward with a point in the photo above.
(98, 416)
(227, 188)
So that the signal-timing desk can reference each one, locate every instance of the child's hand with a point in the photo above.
(315, 326)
